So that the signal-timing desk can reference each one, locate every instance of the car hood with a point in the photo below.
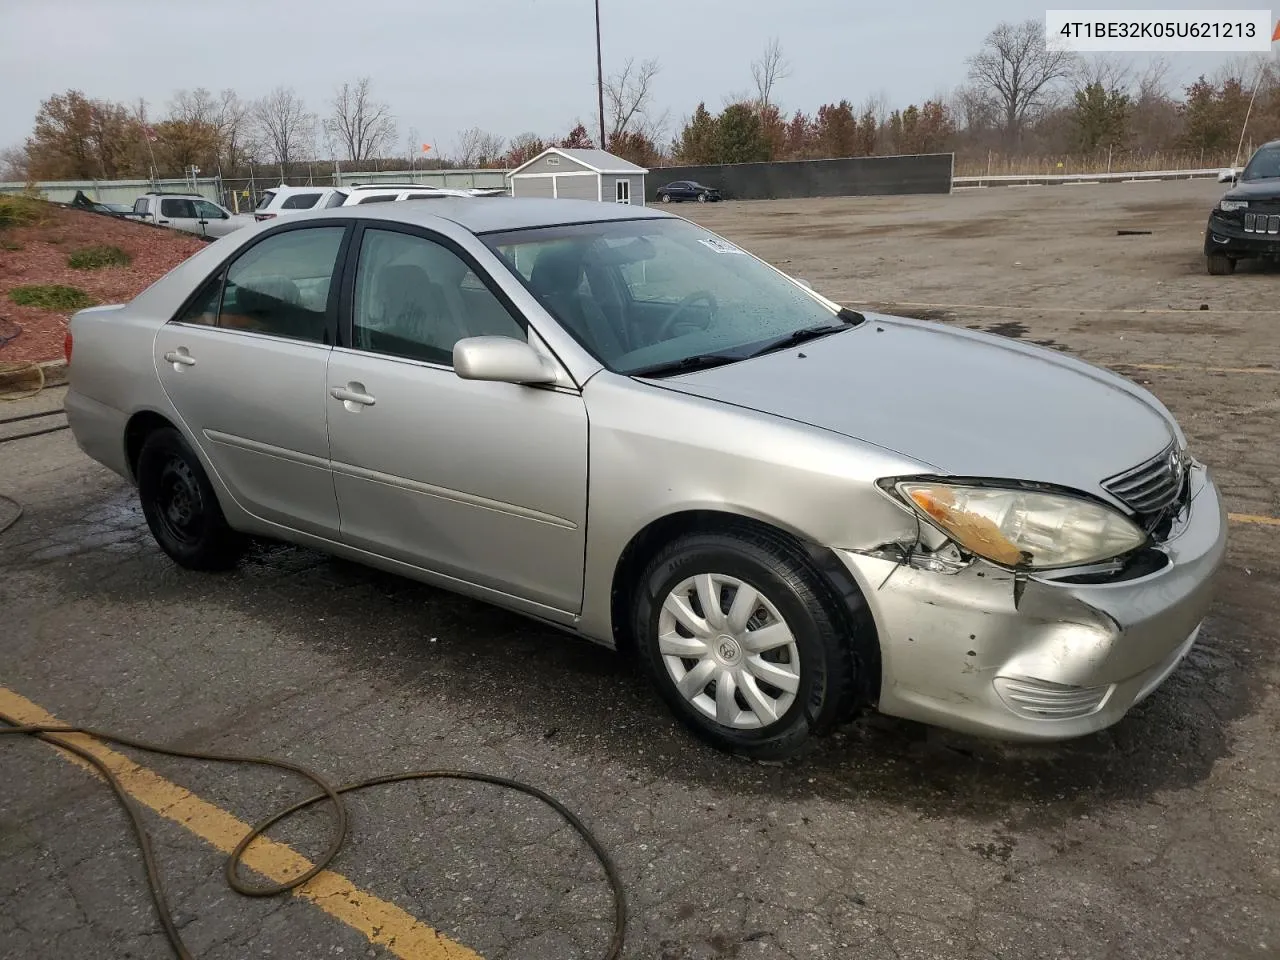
(965, 403)
(1268, 189)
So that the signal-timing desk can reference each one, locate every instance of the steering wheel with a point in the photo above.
(704, 295)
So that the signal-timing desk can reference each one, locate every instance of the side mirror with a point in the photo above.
(803, 282)
(1227, 175)
(501, 359)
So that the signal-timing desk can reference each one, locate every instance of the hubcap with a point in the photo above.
(729, 651)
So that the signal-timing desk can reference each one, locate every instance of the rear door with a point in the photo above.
(482, 482)
(244, 366)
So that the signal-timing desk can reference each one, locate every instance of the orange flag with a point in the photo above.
(426, 147)
(1275, 34)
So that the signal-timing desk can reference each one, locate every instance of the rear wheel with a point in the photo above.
(745, 642)
(1219, 264)
(181, 507)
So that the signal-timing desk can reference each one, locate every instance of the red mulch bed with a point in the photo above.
(43, 260)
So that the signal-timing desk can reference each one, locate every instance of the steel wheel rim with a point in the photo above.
(179, 504)
(729, 652)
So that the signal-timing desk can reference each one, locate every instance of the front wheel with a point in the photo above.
(1220, 265)
(745, 642)
(181, 507)
(664, 197)
(702, 198)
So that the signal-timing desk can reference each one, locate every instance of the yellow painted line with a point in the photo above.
(1254, 518)
(380, 922)
(1039, 308)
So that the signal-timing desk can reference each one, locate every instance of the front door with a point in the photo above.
(244, 366)
(482, 482)
(213, 220)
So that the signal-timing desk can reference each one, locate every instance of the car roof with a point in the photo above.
(513, 213)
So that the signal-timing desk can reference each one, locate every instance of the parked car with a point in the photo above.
(1245, 223)
(794, 509)
(189, 212)
(82, 201)
(281, 200)
(382, 193)
(687, 190)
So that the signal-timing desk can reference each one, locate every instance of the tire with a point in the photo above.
(664, 197)
(815, 672)
(1220, 265)
(702, 198)
(181, 507)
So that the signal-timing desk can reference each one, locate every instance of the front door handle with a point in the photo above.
(162, 221)
(180, 358)
(352, 396)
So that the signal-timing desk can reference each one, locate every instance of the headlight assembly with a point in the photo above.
(1024, 529)
(1227, 206)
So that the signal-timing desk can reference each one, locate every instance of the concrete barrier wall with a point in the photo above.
(850, 177)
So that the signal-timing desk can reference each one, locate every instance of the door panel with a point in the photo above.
(484, 482)
(256, 406)
(481, 481)
(245, 367)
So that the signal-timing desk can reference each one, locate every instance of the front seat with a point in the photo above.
(556, 278)
(410, 316)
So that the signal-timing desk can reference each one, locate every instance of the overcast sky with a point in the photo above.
(506, 66)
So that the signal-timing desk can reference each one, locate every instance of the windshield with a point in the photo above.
(642, 293)
(1263, 165)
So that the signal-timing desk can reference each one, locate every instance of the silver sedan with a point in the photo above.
(609, 419)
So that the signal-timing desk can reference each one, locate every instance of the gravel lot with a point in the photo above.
(1156, 839)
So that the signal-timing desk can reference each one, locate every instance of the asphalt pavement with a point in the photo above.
(1157, 839)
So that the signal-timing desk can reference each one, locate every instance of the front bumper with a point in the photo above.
(1229, 236)
(1041, 660)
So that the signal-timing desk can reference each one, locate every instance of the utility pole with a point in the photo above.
(600, 76)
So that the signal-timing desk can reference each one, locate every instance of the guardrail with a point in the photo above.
(1012, 180)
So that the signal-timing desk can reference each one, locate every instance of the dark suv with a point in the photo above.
(687, 190)
(1246, 221)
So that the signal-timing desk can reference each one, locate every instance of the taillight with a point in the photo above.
(263, 216)
(66, 347)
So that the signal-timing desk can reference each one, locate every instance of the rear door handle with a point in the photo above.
(352, 395)
(180, 358)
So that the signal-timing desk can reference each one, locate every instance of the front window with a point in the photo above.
(208, 211)
(641, 294)
(1264, 165)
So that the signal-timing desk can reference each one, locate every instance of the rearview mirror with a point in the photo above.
(501, 359)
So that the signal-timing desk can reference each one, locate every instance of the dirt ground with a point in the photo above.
(1154, 840)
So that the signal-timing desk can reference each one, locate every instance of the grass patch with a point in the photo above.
(20, 211)
(55, 297)
(95, 258)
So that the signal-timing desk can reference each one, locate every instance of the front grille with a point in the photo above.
(1152, 486)
(1261, 223)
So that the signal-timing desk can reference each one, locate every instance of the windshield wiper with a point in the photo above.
(849, 318)
(699, 361)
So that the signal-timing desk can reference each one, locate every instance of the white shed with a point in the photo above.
(579, 175)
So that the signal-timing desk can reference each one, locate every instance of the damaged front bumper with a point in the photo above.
(1021, 657)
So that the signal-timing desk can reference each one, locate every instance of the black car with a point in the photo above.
(687, 190)
(1246, 221)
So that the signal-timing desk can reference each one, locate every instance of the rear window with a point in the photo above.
(265, 200)
(425, 196)
(300, 201)
(336, 199)
(180, 209)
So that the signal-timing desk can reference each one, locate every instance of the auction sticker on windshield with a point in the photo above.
(720, 246)
(1158, 31)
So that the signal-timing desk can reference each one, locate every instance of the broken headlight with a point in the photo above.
(1026, 529)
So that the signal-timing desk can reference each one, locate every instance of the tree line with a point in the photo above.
(1020, 98)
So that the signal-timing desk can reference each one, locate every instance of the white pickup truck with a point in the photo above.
(188, 211)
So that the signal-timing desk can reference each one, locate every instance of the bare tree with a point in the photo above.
(13, 163)
(1111, 73)
(768, 70)
(628, 94)
(1152, 84)
(231, 117)
(1018, 69)
(363, 127)
(283, 124)
(478, 148)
